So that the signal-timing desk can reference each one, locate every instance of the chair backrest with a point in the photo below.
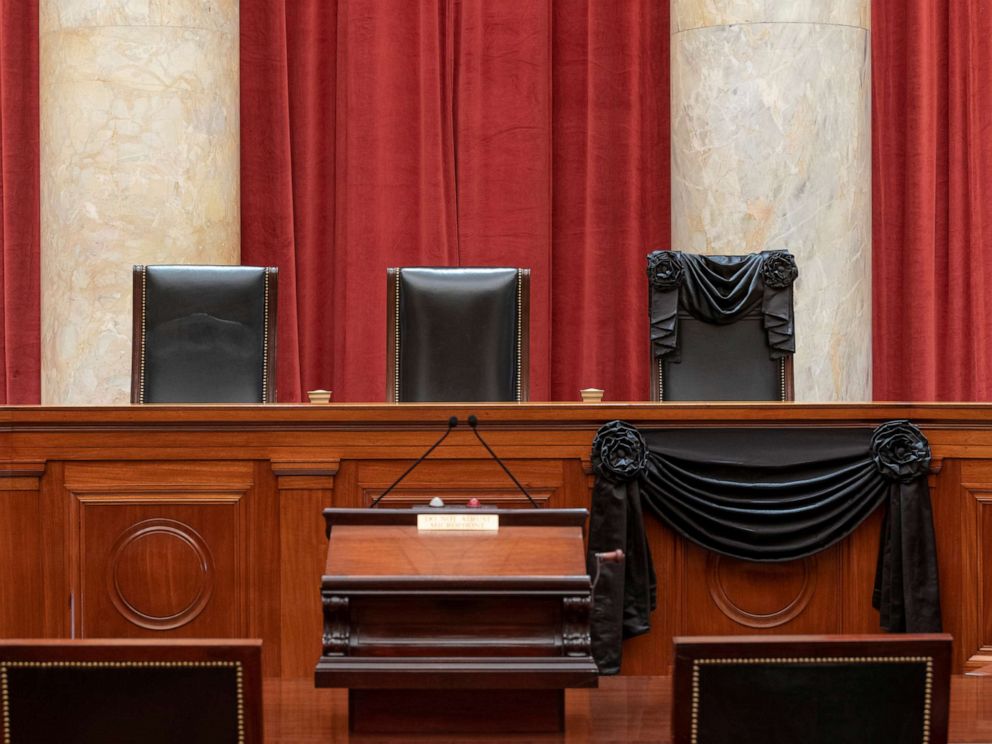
(458, 334)
(142, 691)
(204, 334)
(713, 327)
(812, 689)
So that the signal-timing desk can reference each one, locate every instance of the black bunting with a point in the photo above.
(762, 494)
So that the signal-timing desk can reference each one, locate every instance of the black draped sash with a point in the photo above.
(760, 495)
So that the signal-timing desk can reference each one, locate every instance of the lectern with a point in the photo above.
(448, 631)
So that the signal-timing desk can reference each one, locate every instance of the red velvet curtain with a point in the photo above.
(456, 132)
(20, 320)
(932, 199)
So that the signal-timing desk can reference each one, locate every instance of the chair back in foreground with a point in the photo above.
(154, 692)
(721, 326)
(812, 689)
(457, 334)
(204, 334)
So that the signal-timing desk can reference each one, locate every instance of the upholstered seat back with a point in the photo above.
(204, 334)
(457, 334)
(723, 362)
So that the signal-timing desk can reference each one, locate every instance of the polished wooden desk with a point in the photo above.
(452, 631)
(204, 521)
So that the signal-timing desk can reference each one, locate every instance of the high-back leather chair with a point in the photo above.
(813, 689)
(457, 334)
(204, 334)
(722, 327)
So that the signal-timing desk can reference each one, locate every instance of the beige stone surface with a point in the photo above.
(771, 150)
(690, 14)
(140, 164)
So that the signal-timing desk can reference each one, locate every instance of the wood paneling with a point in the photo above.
(159, 548)
(21, 541)
(249, 482)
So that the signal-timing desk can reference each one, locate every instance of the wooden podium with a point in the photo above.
(456, 631)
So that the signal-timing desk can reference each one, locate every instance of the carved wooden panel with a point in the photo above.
(21, 543)
(158, 552)
(964, 506)
(726, 596)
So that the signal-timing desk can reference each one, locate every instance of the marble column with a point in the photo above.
(139, 164)
(771, 150)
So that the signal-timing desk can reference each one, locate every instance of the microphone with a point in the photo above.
(473, 422)
(452, 423)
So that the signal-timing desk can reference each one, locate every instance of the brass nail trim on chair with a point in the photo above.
(265, 339)
(396, 343)
(144, 296)
(520, 326)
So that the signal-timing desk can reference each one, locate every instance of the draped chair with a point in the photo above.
(204, 334)
(154, 692)
(813, 689)
(457, 334)
(722, 327)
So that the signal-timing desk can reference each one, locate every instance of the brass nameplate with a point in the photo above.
(461, 522)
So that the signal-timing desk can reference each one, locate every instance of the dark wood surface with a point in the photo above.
(396, 550)
(623, 709)
(94, 501)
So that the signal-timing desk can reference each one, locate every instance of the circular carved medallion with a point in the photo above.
(161, 574)
(760, 595)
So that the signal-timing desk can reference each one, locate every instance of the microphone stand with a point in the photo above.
(473, 422)
(452, 423)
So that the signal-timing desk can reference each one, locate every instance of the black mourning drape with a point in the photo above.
(760, 495)
(719, 290)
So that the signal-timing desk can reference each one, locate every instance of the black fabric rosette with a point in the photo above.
(619, 452)
(665, 269)
(900, 451)
(778, 269)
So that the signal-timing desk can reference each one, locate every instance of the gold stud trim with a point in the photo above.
(520, 330)
(265, 341)
(927, 690)
(144, 322)
(5, 692)
(781, 375)
(5, 697)
(396, 340)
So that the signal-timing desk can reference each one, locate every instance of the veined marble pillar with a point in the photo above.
(771, 150)
(139, 165)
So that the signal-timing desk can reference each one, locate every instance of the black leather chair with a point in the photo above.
(457, 334)
(812, 689)
(204, 334)
(722, 327)
(154, 692)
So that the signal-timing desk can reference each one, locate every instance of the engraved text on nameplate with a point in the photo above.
(468, 522)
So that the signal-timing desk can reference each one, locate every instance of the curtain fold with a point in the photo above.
(20, 190)
(761, 495)
(932, 199)
(447, 133)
